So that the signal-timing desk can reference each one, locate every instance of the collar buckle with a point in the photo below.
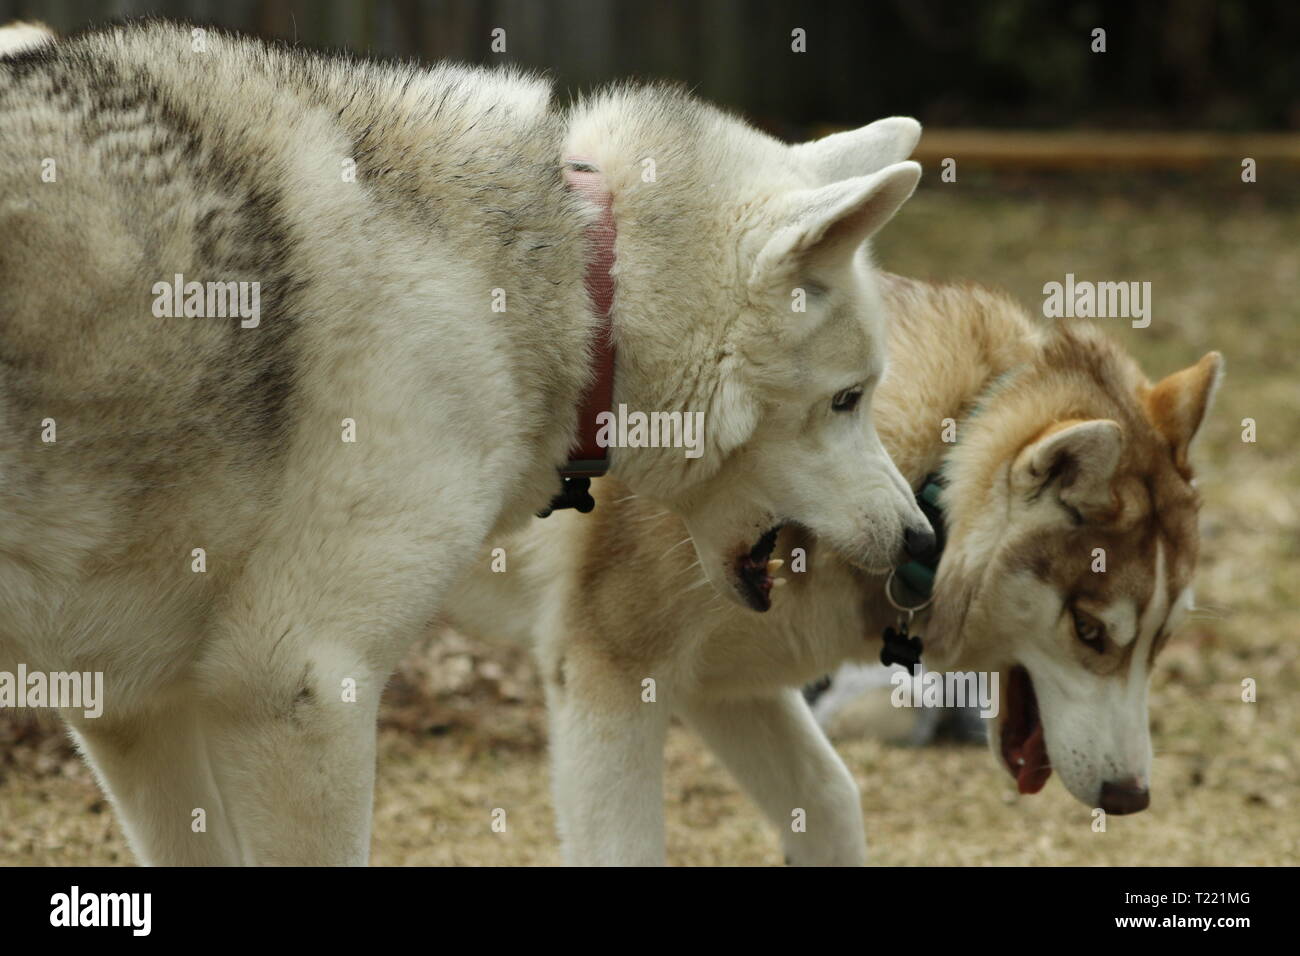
(900, 645)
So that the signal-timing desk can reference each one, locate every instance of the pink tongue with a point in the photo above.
(1034, 771)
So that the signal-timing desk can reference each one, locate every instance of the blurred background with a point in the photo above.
(1169, 64)
(1122, 165)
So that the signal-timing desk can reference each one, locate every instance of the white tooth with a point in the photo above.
(779, 582)
(774, 565)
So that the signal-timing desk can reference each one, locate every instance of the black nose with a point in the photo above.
(1124, 796)
(919, 543)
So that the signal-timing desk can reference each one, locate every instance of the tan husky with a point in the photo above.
(1066, 461)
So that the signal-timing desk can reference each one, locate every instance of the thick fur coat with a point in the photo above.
(243, 523)
(1052, 444)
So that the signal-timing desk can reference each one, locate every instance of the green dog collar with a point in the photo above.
(918, 576)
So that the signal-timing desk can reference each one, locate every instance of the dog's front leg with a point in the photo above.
(154, 765)
(293, 738)
(774, 748)
(289, 686)
(607, 743)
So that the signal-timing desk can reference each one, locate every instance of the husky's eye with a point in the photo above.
(847, 400)
(1089, 630)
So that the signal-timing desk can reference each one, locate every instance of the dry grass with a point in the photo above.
(464, 729)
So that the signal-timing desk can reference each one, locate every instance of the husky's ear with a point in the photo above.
(1075, 459)
(1178, 404)
(859, 152)
(827, 225)
(19, 36)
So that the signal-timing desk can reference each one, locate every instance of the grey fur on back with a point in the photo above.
(218, 166)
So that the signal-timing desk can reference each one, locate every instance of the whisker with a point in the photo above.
(651, 517)
(678, 545)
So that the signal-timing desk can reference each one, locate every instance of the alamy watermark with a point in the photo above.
(55, 689)
(626, 429)
(209, 300)
(1098, 300)
(923, 688)
(133, 911)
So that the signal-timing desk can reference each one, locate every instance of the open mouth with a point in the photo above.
(1023, 748)
(753, 571)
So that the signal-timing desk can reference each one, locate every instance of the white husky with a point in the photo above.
(242, 524)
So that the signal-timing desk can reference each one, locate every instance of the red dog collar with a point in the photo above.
(587, 458)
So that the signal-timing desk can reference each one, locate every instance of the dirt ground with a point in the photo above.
(464, 732)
